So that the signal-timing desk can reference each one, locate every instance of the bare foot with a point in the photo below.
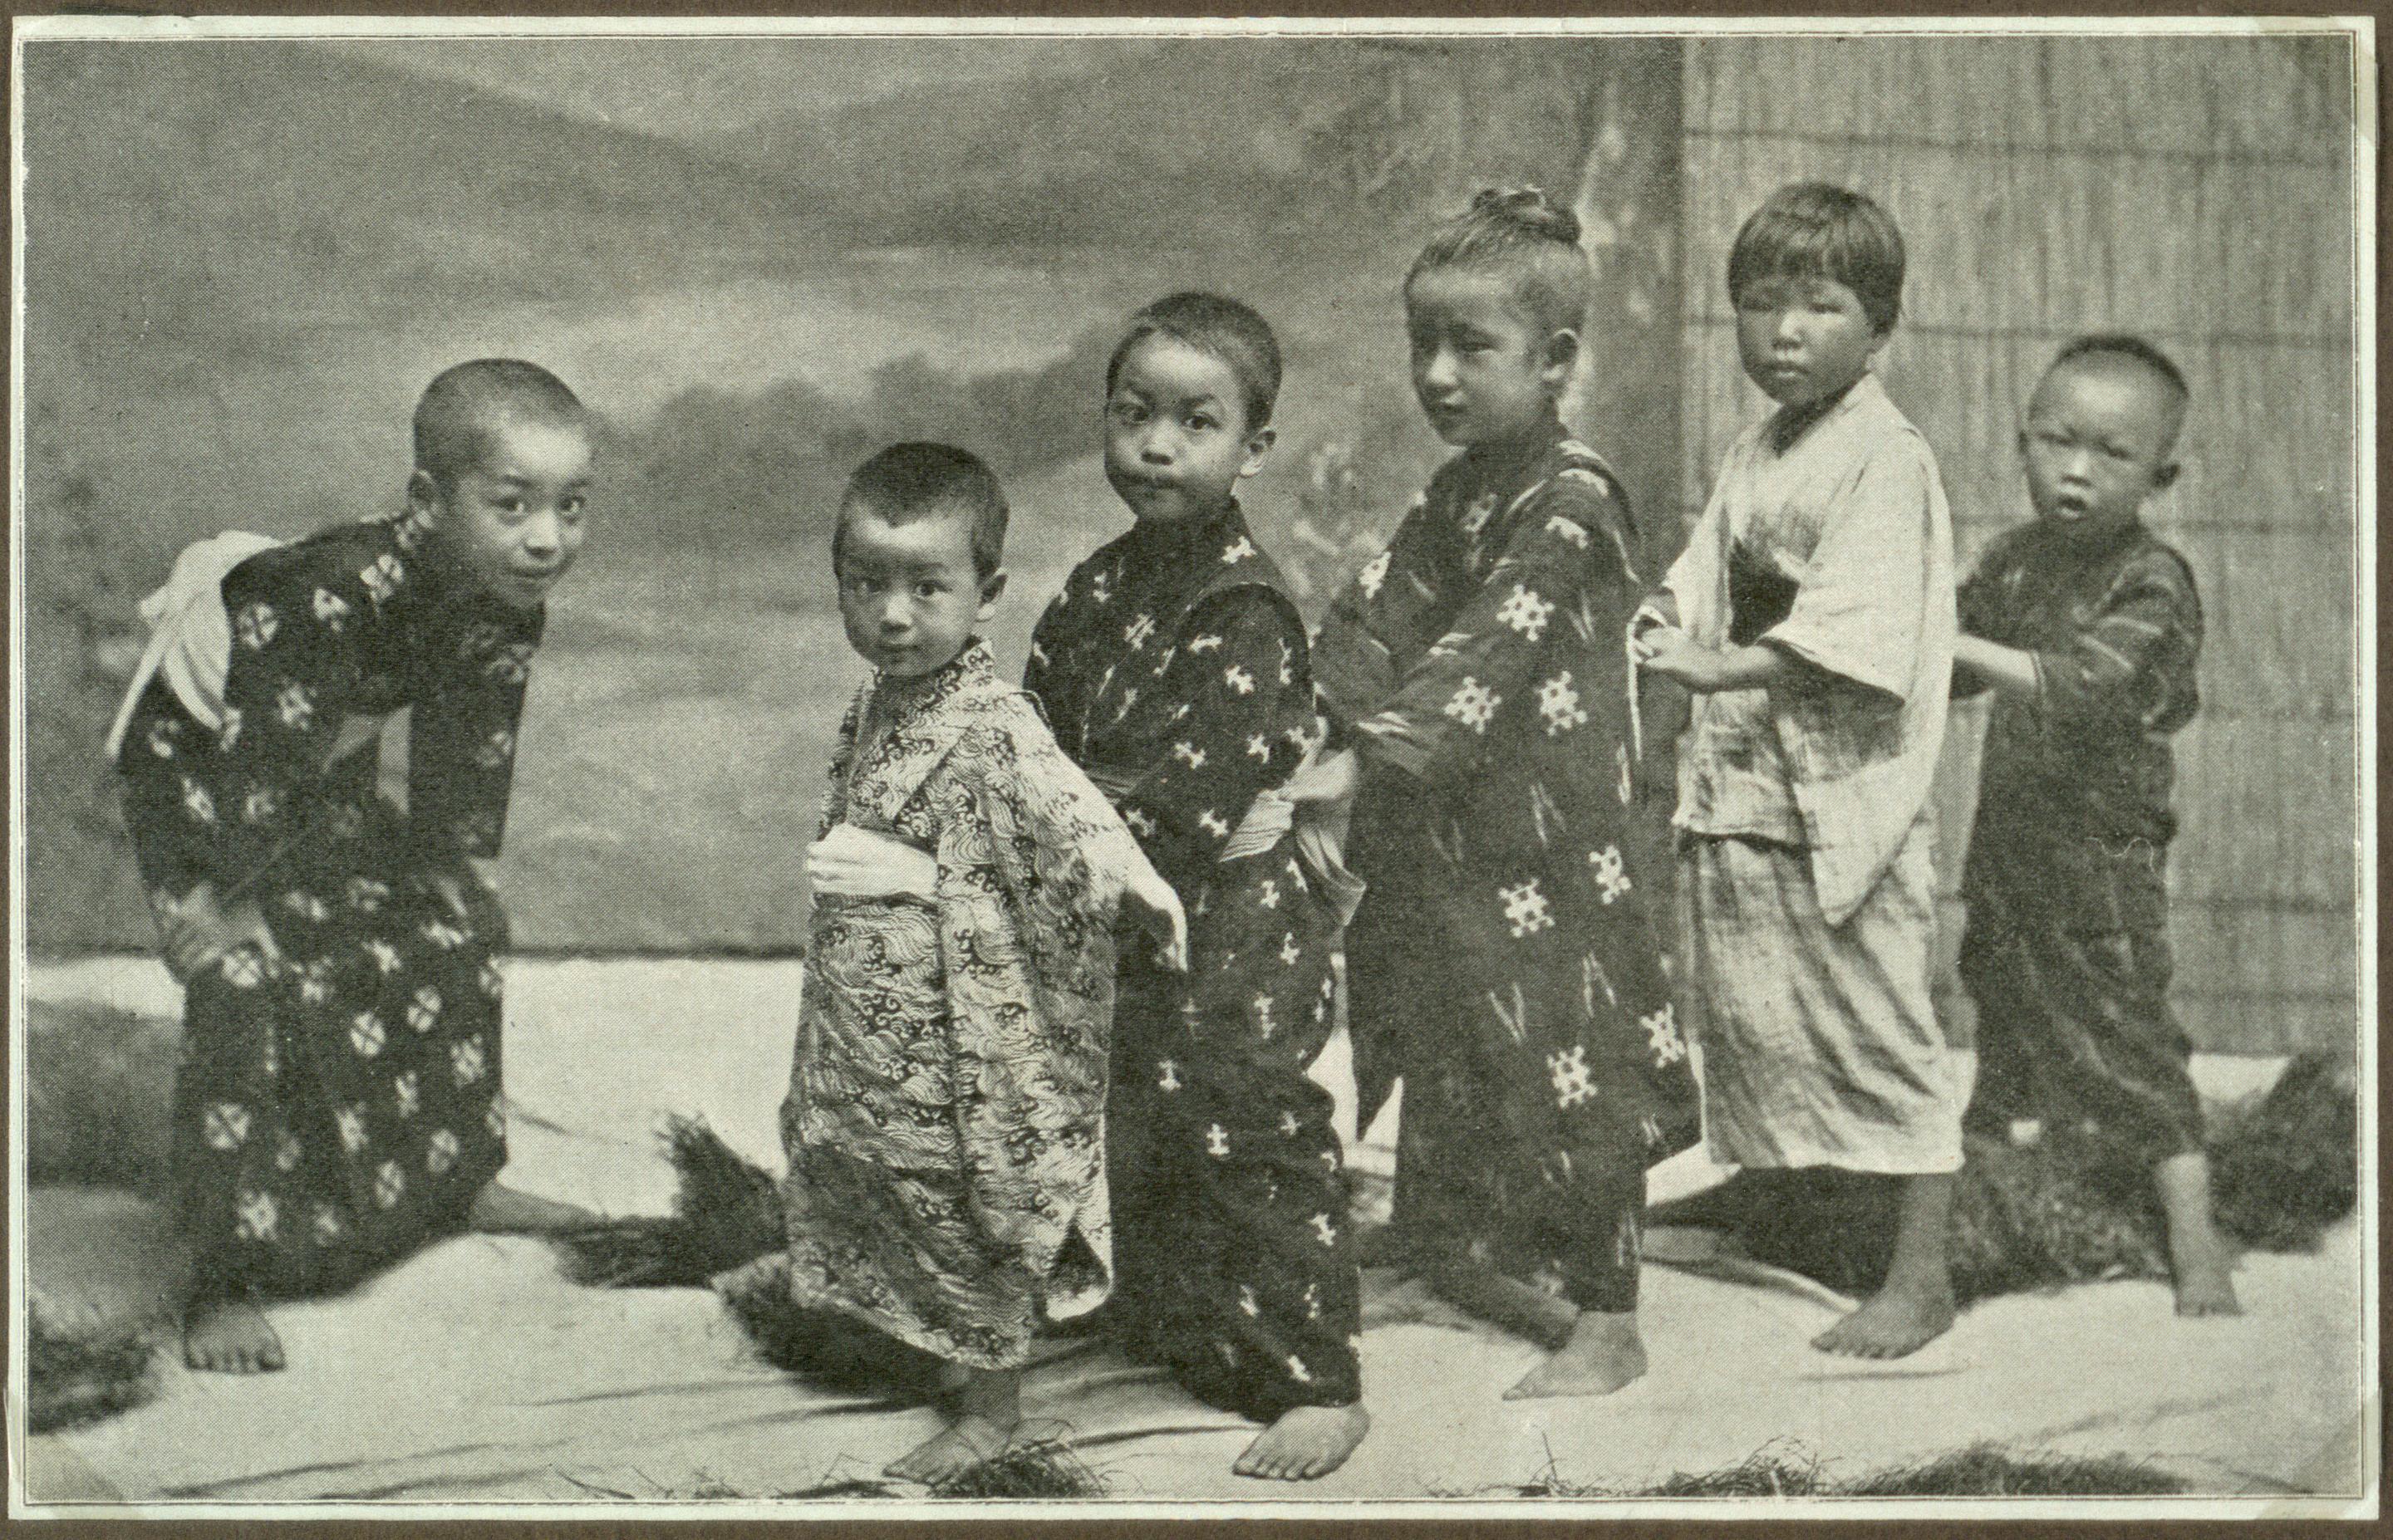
(963, 1444)
(987, 1404)
(501, 1210)
(1307, 1442)
(1897, 1320)
(1604, 1353)
(229, 1337)
(2207, 1288)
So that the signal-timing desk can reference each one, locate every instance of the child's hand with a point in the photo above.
(197, 931)
(1332, 779)
(1668, 651)
(1163, 918)
(855, 863)
(1651, 616)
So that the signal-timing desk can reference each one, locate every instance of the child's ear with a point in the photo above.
(1258, 444)
(1556, 360)
(992, 588)
(424, 498)
(2165, 477)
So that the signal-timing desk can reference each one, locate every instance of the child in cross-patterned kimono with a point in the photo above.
(945, 1114)
(337, 1102)
(1174, 667)
(2086, 626)
(1503, 964)
(1812, 617)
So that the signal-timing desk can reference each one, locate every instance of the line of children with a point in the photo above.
(998, 1117)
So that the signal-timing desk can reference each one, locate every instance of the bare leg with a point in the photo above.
(1305, 1444)
(501, 1210)
(223, 1332)
(2199, 1256)
(987, 1404)
(1914, 1305)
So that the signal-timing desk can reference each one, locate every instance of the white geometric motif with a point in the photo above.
(1610, 880)
(1557, 525)
(1238, 679)
(353, 1127)
(466, 1061)
(366, 1033)
(409, 1098)
(390, 1184)
(1662, 1036)
(424, 1010)
(226, 1125)
(1572, 1081)
(1559, 704)
(258, 1217)
(1526, 612)
(295, 704)
(1527, 908)
(256, 624)
(1374, 573)
(1473, 705)
(442, 1152)
(1238, 551)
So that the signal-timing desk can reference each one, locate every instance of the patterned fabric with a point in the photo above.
(2066, 951)
(1174, 667)
(945, 1121)
(338, 1100)
(1834, 545)
(1821, 1045)
(1503, 962)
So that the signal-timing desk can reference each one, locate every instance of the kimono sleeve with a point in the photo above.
(2130, 667)
(461, 751)
(1354, 657)
(1244, 718)
(1861, 608)
(1978, 603)
(288, 683)
(1434, 726)
(1054, 852)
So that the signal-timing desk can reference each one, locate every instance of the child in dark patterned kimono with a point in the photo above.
(2086, 627)
(1174, 667)
(337, 1102)
(1503, 964)
(945, 1121)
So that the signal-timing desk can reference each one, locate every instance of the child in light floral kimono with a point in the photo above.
(945, 1121)
(1813, 616)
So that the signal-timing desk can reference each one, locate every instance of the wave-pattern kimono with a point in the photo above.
(337, 1102)
(2066, 953)
(1503, 963)
(1174, 667)
(944, 1123)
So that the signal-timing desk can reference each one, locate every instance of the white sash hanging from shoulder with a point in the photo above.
(190, 636)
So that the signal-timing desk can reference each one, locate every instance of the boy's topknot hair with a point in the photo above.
(911, 481)
(1219, 327)
(1522, 230)
(458, 410)
(1811, 229)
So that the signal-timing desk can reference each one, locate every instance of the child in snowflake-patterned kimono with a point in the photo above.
(945, 1121)
(1812, 616)
(1174, 667)
(1503, 964)
(337, 1101)
(2086, 627)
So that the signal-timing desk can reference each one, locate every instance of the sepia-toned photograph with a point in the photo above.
(1509, 769)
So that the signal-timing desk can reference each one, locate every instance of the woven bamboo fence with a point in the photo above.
(2193, 189)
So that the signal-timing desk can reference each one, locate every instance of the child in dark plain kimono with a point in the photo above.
(1812, 617)
(946, 1114)
(2086, 627)
(338, 1103)
(1175, 669)
(1503, 964)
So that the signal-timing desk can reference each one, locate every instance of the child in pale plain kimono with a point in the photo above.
(945, 1119)
(1812, 616)
(1503, 963)
(2087, 626)
(338, 1103)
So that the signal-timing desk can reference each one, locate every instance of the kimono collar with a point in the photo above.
(894, 697)
(1494, 464)
(433, 585)
(1790, 425)
(1175, 545)
(2068, 547)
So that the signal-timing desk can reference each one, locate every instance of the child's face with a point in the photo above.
(2097, 442)
(515, 520)
(1803, 340)
(908, 593)
(1177, 443)
(1483, 371)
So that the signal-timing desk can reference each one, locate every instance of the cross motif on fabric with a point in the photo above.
(332, 610)
(382, 577)
(1263, 1016)
(1238, 551)
(1206, 643)
(1138, 630)
(1213, 824)
(1289, 952)
(1526, 612)
(225, 1126)
(1171, 1076)
(1217, 1141)
(425, 1009)
(258, 1217)
(441, 1151)
(295, 704)
(366, 1033)
(390, 1184)
(1559, 703)
(195, 798)
(1573, 1083)
(1260, 747)
(352, 1121)
(1662, 1036)
(1526, 909)
(256, 625)
(1325, 1230)
(405, 1091)
(1238, 679)
(1473, 705)
(1611, 877)
(466, 1061)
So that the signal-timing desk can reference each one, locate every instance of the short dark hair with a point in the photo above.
(458, 409)
(2139, 352)
(907, 482)
(1219, 327)
(1811, 229)
(1534, 240)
